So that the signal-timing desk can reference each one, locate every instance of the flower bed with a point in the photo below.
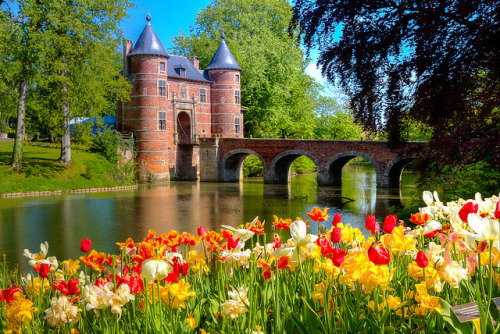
(398, 280)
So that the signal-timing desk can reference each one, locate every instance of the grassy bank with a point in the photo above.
(43, 172)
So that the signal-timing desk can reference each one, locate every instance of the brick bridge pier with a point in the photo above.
(221, 159)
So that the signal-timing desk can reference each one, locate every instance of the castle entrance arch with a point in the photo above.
(184, 128)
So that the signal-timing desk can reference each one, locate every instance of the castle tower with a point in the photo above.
(227, 118)
(146, 113)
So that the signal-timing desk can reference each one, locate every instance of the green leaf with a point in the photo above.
(451, 320)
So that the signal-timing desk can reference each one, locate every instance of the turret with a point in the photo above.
(146, 113)
(227, 118)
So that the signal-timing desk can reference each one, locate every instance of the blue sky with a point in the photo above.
(169, 17)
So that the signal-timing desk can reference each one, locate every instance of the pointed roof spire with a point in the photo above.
(223, 58)
(148, 43)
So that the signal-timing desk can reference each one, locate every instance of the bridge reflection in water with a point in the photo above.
(107, 218)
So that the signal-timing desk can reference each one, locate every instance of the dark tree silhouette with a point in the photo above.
(435, 62)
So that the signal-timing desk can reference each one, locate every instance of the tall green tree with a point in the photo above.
(81, 43)
(275, 89)
(62, 54)
(437, 62)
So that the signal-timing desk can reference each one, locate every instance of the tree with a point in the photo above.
(434, 62)
(334, 121)
(275, 89)
(81, 44)
(62, 54)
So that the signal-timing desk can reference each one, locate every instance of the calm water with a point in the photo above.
(107, 218)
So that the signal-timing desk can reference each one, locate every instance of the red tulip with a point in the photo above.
(378, 254)
(202, 231)
(231, 243)
(421, 260)
(497, 210)
(390, 223)
(371, 224)
(468, 207)
(337, 256)
(43, 269)
(10, 294)
(336, 234)
(336, 219)
(276, 241)
(85, 245)
(325, 244)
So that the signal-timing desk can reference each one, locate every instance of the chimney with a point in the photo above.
(127, 47)
(195, 61)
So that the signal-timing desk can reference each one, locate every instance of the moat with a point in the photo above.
(107, 218)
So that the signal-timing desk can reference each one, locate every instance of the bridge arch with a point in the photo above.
(394, 170)
(231, 163)
(332, 173)
(279, 171)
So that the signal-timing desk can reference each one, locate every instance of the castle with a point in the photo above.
(173, 104)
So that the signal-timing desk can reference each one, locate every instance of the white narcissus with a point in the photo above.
(486, 228)
(428, 228)
(242, 233)
(39, 258)
(300, 237)
(155, 269)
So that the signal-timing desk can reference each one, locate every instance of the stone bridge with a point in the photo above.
(221, 159)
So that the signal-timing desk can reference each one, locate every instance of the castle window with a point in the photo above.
(162, 67)
(162, 120)
(237, 96)
(162, 88)
(182, 72)
(237, 125)
(203, 95)
(237, 78)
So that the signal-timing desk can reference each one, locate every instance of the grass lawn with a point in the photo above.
(42, 170)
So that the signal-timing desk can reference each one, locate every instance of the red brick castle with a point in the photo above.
(173, 104)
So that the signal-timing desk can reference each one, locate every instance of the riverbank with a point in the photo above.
(42, 172)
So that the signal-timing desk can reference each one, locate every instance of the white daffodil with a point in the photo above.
(486, 228)
(428, 228)
(431, 200)
(298, 231)
(243, 233)
(300, 237)
(155, 269)
(39, 258)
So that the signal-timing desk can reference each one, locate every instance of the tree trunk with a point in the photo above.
(66, 138)
(17, 154)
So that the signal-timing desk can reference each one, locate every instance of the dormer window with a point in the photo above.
(182, 72)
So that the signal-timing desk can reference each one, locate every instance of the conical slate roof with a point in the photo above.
(223, 58)
(148, 43)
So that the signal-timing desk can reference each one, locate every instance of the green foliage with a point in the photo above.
(334, 121)
(106, 144)
(303, 165)
(275, 89)
(463, 181)
(66, 51)
(252, 166)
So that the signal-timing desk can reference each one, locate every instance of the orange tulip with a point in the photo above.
(318, 215)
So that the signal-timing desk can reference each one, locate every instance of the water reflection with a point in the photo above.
(107, 218)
